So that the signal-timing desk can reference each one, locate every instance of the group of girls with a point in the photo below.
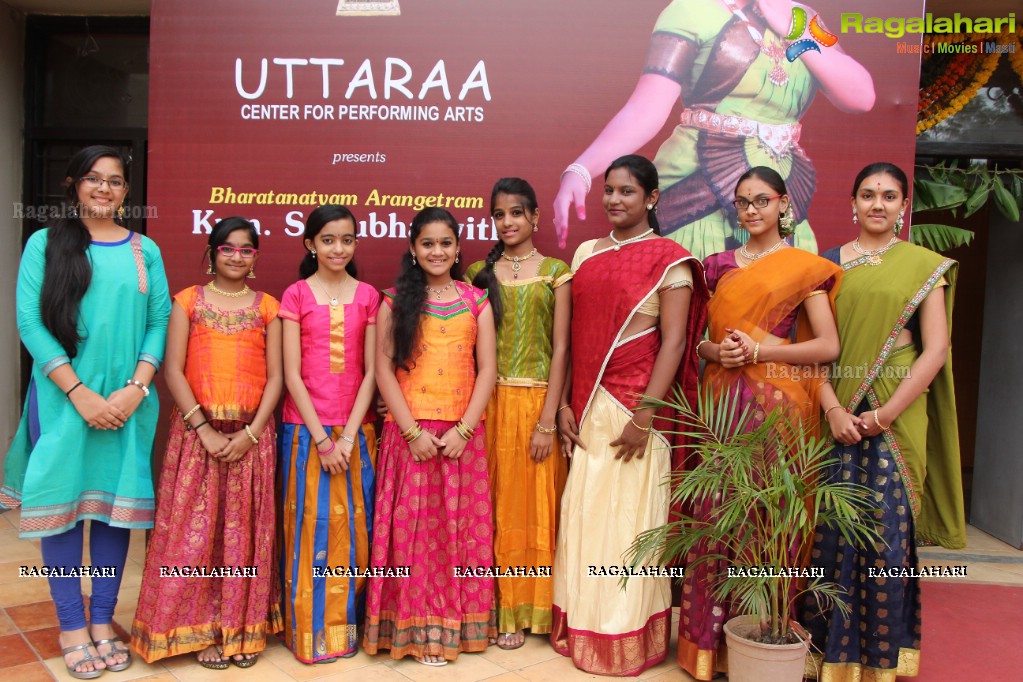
(491, 383)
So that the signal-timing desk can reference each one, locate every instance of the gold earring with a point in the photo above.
(210, 270)
(252, 272)
(535, 228)
(120, 211)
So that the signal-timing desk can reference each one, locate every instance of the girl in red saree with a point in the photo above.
(891, 410)
(771, 324)
(638, 307)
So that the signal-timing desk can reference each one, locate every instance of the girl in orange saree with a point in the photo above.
(771, 324)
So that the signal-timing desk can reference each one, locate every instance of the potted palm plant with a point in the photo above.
(762, 483)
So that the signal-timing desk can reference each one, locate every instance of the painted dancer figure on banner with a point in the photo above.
(746, 73)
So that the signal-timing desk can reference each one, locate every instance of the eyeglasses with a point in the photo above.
(94, 181)
(228, 251)
(760, 202)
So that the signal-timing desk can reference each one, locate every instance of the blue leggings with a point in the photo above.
(108, 547)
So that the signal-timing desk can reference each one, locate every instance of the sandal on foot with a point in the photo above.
(245, 662)
(114, 651)
(505, 638)
(213, 665)
(435, 664)
(89, 658)
(350, 654)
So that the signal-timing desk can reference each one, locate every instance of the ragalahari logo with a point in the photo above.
(818, 35)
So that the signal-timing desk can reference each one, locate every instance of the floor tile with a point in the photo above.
(536, 649)
(675, 675)
(45, 641)
(34, 616)
(138, 670)
(7, 626)
(374, 673)
(286, 661)
(10, 518)
(27, 591)
(16, 549)
(15, 651)
(29, 672)
(467, 667)
(506, 677)
(559, 669)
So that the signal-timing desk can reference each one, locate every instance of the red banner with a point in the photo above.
(267, 110)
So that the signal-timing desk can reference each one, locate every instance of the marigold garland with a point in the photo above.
(1016, 57)
(950, 80)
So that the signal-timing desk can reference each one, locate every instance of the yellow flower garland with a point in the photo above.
(988, 64)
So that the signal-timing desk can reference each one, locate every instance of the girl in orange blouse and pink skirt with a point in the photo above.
(215, 503)
(436, 367)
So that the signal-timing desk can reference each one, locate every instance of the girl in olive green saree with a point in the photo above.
(891, 410)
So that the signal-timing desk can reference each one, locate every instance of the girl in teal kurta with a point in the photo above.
(92, 309)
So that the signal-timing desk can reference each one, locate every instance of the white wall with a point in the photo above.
(12, 70)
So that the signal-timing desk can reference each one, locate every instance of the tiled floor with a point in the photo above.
(29, 652)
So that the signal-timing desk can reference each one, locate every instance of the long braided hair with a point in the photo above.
(486, 278)
(410, 289)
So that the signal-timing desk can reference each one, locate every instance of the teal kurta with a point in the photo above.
(59, 470)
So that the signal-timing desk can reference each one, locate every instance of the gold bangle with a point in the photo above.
(469, 429)
(252, 437)
(756, 352)
(833, 407)
(413, 432)
(564, 407)
(192, 411)
(546, 432)
(648, 428)
(878, 422)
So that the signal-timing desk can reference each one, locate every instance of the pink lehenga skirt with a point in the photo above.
(434, 519)
(214, 517)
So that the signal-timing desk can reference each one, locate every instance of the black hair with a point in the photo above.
(645, 173)
(222, 230)
(882, 168)
(68, 271)
(410, 289)
(773, 180)
(485, 278)
(320, 216)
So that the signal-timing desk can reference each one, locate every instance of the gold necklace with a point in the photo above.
(873, 256)
(333, 300)
(441, 290)
(237, 294)
(517, 262)
(619, 243)
(744, 252)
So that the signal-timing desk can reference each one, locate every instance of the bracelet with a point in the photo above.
(67, 393)
(564, 407)
(327, 452)
(201, 424)
(350, 441)
(878, 422)
(833, 407)
(756, 352)
(582, 172)
(413, 432)
(189, 414)
(252, 437)
(139, 385)
(700, 344)
(325, 438)
(546, 432)
(648, 428)
(464, 430)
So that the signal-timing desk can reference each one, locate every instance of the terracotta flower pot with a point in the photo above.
(750, 661)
